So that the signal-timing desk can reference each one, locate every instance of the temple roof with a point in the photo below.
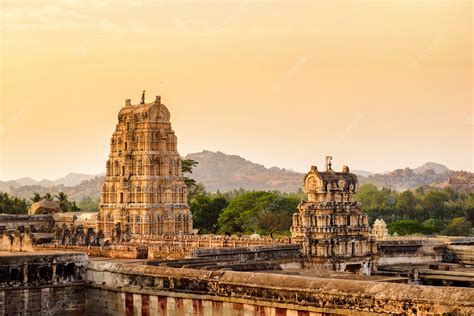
(330, 176)
(330, 180)
(44, 207)
(153, 111)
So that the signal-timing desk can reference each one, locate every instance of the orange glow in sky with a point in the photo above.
(378, 85)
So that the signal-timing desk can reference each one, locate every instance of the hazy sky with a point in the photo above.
(378, 85)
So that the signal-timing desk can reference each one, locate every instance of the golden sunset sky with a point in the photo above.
(378, 85)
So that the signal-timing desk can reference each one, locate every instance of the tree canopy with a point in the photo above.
(13, 205)
(206, 211)
(259, 211)
(422, 211)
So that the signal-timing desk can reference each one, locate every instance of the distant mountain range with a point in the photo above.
(219, 171)
(70, 180)
(87, 188)
(439, 176)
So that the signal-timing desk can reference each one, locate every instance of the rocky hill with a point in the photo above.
(403, 179)
(219, 171)
(228, 172)
(72, 179)
(87, 188)
(432, 166)
(459, 181)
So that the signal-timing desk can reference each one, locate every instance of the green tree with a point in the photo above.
(187, 166)
(88, 204)
(378, 203)
(434, 204)
(470, 215)
(406, 227)
(63, 201)
(195, 190)
(12, 204)
(206, 211)
(406, 205)
(36, 197)
(246, 213)
(458, 226)
(368, 195)
(433, 225)
(272, 221)
(48, 196)
(73, 207)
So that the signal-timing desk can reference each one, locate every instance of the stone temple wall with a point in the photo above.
(15, 221)
(44, 300)
(42, 284)
(70, 284)
(256, 253)
(127, 289)
(409, 251)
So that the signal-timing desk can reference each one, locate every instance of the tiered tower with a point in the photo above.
(330, 225)
(144, 191)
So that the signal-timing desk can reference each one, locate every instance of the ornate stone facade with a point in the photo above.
(144, 191)
(330, 224)
(380, 230)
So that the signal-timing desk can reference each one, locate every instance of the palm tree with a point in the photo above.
(63, 200)
(48, 196)
(36, 197)
(74, 207)
(61, 196)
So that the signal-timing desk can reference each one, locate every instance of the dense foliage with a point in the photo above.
(240, 211)
(206, 211)
(89, 204)
(64, 203)
(187, 166)
(13, 205)
(422, 211)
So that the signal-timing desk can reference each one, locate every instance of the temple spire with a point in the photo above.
(143, 97)
(328, 163)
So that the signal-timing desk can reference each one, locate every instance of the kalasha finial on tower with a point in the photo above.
(143, 97)
(328, 163)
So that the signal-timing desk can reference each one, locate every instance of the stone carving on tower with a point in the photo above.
(144, 191)
(330, 225)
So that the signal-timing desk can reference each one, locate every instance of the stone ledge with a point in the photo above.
(160, 293)
(367, 296)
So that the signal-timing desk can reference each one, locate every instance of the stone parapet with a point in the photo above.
(42, 284)
(136, 286)
(111, 251)
(462, 253)
(257, 253)
(31, 269)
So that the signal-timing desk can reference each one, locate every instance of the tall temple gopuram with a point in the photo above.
(144, 191)
(329, 225)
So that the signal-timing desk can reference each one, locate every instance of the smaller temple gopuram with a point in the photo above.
(330, 225)
(380, 230)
